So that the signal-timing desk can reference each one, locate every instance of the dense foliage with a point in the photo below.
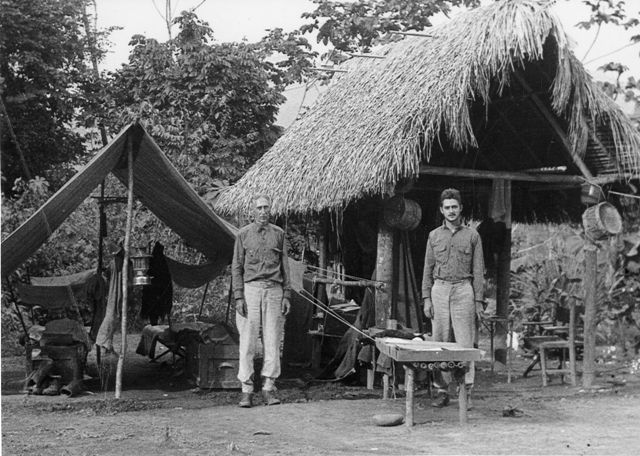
(43, 77)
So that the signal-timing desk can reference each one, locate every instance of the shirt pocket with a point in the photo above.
(440, 252)
(252, 256)
(272, 256)
(463, 253)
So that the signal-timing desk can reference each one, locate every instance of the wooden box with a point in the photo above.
(216, 365)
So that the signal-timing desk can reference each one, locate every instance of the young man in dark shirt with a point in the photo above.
(261, 286)
(452, 284)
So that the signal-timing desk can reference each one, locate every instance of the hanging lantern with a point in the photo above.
(140, 260)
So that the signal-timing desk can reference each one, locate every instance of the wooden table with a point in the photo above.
(412, 353)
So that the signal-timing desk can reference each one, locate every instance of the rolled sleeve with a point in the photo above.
(284, 265)
(478, 269)
(429, 264)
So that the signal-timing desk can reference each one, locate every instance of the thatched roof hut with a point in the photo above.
(496, 89)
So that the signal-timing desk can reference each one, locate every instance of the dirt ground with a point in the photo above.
(161, 414)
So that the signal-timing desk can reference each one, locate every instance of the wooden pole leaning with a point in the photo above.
(125, 269)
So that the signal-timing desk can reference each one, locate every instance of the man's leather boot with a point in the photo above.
(245, 400)
(270, 397)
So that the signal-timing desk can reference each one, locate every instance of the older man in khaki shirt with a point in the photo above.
(261, 286)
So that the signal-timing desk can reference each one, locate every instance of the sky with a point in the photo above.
(235, 20)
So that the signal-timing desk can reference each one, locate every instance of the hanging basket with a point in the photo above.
(402, 213)
(601, 221)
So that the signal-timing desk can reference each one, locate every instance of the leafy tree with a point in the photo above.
(357, 26)
(212, 106)
(610, 12)
(43, 77)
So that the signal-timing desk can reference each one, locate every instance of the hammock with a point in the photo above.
(194, 275)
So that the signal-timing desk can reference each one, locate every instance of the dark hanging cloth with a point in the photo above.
(406, 306)
(157, 298)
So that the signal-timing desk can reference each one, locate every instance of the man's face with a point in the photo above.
(451, 210)
(262, 211)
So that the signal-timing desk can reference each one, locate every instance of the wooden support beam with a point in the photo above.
(488, 174)
(589, 284)
(555, 126)
(384, 272)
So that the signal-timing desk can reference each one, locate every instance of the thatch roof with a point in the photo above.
(382, 119)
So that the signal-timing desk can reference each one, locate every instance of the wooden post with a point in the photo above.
(503, 283)
(125, 271)
(408, 387)
(589, 283)
(323, 254)
(384, 273)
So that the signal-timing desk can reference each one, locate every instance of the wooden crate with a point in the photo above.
(216, 365)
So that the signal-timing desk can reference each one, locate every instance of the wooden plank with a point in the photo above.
(426, 351)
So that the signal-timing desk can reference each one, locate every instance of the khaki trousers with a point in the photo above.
(454, 318)
(264, 310)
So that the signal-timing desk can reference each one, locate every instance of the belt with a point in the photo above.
(263, 283)
(454, 281)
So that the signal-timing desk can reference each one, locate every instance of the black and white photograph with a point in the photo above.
(320, 227)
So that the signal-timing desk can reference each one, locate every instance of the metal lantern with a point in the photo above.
(140, 260)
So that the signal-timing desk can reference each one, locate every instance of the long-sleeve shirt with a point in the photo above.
(453, 256)
(260, 254)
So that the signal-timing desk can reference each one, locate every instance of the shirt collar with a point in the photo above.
(261, 228)
(458, 228)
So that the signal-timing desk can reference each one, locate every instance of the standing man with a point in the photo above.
(260, 274)
(452, 285)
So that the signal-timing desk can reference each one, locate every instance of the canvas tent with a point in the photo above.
(157, 184)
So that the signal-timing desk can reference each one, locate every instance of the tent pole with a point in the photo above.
(125, 269)
(204, 296)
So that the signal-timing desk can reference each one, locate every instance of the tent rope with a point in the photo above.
(313, 300)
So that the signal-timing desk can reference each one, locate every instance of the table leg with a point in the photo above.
(493, 355)
(385, 386)
(408, 387)
(462, 400)
(371, 372)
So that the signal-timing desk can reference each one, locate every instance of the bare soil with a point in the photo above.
(162, 414)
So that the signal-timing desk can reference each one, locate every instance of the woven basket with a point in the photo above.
(601, 221)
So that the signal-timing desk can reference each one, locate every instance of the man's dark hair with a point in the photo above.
(450, 193)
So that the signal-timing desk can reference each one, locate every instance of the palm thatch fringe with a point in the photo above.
(370, 128)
